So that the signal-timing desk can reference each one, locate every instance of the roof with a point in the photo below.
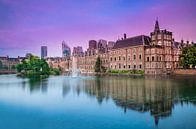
(133, 41)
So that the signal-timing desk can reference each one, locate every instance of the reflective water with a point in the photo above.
(86, 102)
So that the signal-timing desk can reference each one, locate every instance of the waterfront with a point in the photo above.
(90, 102)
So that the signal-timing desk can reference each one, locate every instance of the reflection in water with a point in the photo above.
(155, 95)
(38, 84)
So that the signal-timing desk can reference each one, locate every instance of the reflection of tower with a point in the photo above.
(156, 120)
(66, 51)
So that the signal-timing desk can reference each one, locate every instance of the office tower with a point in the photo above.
(43, 52)
(66, 51)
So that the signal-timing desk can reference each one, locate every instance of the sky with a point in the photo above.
(26, 25)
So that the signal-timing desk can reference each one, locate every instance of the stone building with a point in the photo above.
(7, 63)
(128, 53)
(154, 54)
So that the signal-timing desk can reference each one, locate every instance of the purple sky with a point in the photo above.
(25, 25)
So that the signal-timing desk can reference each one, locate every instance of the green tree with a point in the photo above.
(188, 57)
(34, 66)
(98, 65)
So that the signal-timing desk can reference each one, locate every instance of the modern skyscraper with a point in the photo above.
(43, 52)
(66, 51)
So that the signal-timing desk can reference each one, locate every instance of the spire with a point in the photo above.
(157, 29)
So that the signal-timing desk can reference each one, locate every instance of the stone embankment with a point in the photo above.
(185, 71)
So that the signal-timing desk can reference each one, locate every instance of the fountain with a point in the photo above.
(75, 72)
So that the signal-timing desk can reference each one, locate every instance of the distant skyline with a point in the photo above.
(27, 25)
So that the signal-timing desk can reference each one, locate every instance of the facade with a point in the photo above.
(77, 51)
(7, 63)
(44, 52)
(92, 44)
(66, 51)
(154, 54)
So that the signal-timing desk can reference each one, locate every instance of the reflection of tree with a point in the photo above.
(37, 84)
(157, 96)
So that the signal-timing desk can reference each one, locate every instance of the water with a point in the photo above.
(87, 102)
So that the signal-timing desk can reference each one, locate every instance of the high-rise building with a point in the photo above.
(92, 44)
(43, 52)
(77, 51)
(28, 55)
(66, 51)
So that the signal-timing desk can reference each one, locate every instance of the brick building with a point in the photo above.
(154, 54)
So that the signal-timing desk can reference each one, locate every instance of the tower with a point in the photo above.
(44, 52)
(156, 28)
(66, 51)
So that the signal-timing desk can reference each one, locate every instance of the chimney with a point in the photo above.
(125, 36)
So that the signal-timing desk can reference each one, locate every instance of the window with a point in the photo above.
(129, 66)
(134, 66)
(115, 59)
(160, 58)
(152, 58)
(148, 59)
(128, 57)
(140, 66)
(124, 66)
(123, 58)
(140, 57)
(134, 57)
(111, 59)
(119, 58)
(119, 66)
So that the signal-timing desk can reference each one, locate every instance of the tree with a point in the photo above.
(98, 65)
(34, 66)
(188, 57)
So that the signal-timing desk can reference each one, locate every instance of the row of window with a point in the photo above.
(153, 58)
(119, 66)
(124, 58)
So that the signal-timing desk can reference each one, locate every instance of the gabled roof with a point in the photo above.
(133, 41)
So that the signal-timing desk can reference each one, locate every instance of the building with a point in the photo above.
(128, 53)
(77, 51)
(7, 63)
(66, 51)
(44, 52)
(110, 45)
(155, 54)
(92, 44)
(28, 55)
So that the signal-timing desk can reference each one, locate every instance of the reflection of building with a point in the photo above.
(137, 94)
(66, 51)
(43, 52)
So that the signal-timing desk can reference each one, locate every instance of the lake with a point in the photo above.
(94, 102)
